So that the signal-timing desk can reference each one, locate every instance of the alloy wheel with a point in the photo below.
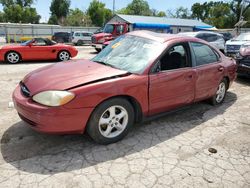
(113, 121)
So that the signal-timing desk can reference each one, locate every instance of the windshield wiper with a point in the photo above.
(103, 63)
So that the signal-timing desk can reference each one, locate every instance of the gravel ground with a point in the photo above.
(168, 152)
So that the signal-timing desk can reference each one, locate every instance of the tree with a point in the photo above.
(22, 3)
(19, 11)
(77, 17)
(235, 6)
(180, 12)
(59, 10)
(155, 12)
(139, 7)
(98, 13)
(161, 14)
(219, 15)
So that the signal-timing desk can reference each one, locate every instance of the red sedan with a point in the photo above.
(37, 49)
(138, 75)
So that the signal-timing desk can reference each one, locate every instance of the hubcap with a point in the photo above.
(113, 121)
(220, 92)
(64, 56)
(13, 57)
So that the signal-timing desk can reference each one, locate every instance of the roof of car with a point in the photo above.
(198, 32)
(159, 37)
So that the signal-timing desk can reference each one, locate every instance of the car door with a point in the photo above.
(172, 82)
(209, 70)
(40, 50)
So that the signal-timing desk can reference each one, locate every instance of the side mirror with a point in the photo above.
(30, 44)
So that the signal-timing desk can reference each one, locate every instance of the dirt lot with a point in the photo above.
(168, 152)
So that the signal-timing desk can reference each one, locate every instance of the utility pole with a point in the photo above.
(113, 7)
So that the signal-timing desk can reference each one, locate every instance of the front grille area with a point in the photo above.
(24, 90)
(233, 47)
(93, 39)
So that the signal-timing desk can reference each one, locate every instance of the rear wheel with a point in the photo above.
(12, 57)
(111, 121)
(80, 43)
(63, 56)
(220, 94)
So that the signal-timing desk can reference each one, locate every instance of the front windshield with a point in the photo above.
(108, 28)
(26, 43)
(244, 37)
(129, 53)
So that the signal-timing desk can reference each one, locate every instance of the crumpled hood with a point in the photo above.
(65, 75)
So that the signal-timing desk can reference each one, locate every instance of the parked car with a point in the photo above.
(37, 49)
(61, 37)
(226, 35)
(233, 46)
(213, 38)
(243, 59)
(138, 75)
(81, 37)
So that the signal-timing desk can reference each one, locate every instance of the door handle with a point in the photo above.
(189, 77)
(220, 69)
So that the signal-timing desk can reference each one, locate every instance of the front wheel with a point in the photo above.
(220, 94)
(63, 56)
(111, 121)
(12, 57)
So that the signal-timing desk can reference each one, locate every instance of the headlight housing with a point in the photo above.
(53, 98)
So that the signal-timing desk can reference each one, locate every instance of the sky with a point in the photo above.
(42, 6)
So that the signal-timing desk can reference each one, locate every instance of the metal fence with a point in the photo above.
(15, 32)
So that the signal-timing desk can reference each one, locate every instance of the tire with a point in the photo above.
(79, 43)
(220, 94)
(63, 55)
(98, 50)
(12, 57)
(111, 121)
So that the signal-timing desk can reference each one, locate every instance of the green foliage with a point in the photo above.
(220, 14)
(22, 3)
(180, 12)
(59, 10)
(161, 14)
(98, 13)
(139, 7)
(77, 17)
(17, 11)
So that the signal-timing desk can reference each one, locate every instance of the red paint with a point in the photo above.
(31, 52)
(154, 92)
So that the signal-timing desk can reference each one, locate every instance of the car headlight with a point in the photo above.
(53, 98)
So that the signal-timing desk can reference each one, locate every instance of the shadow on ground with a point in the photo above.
(245, 80)
(38, 153)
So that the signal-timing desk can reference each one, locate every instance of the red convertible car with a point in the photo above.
(138, 75)
(37, 49)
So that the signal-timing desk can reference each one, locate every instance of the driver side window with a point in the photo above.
(175, 58)
(39, 42)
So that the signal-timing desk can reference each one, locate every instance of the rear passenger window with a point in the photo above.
(77, 34)
(203, 54)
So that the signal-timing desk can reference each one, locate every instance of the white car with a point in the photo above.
(81, 37)
(233, 46)
(213, 38)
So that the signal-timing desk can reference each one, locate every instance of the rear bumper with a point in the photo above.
(53, 120)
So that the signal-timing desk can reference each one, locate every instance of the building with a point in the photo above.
(161, 24)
